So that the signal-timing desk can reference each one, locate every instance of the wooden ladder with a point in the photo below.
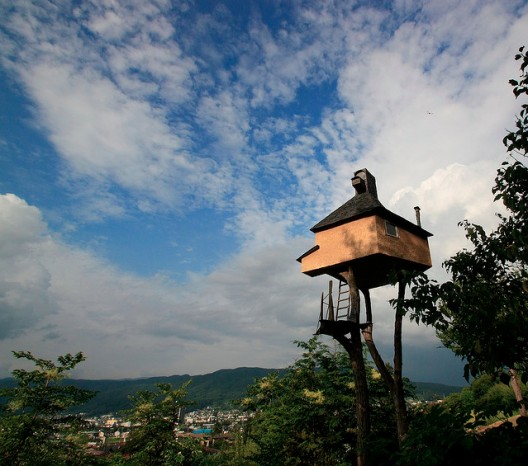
(343, 302)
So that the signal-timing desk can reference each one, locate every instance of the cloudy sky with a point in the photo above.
(162, 163)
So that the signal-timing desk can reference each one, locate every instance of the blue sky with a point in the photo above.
(161, 164)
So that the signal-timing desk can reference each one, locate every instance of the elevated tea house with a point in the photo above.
(365, 246)
(364, 235)
(364, 239)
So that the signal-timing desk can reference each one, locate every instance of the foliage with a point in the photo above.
(307, 416)
(436, 437)
(462, 401)
(504, 445)
(153, 440)
(492, 397)
(487, 398)
(441, 435)
(238, 453)
(35, 428)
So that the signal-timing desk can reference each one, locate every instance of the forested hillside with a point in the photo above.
(218, 389)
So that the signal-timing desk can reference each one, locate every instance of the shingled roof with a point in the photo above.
(360, 205)
(363, 204)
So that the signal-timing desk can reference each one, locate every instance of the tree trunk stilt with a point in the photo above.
(354, 348)
(399, 395)
(514, 377)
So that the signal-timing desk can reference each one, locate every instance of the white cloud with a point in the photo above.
(107, 137)
(116, 20)
(60, 298)
(25, 283)
(91, 98)
(224, 116)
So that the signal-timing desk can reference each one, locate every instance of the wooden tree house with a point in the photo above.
(364, 240)
(365, 246)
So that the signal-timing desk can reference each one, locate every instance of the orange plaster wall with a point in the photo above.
(342, 244)
(361, 238)
(407, 246)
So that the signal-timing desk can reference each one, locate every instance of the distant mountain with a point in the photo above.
(426, 391)
(217, 389)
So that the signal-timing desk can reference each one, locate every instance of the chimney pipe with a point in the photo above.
(418, 219)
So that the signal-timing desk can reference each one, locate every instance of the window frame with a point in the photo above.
(389, 227)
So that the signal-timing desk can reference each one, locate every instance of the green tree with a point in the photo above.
(153, 441)
(437, 437)
(35, 427)
(453, 432)
(487, 398)
(444, 435)
(482, 312)
(307, 415)
(236, 453)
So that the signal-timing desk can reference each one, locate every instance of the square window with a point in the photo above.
(391, 229)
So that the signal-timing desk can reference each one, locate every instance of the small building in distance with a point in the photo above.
(368, 238)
